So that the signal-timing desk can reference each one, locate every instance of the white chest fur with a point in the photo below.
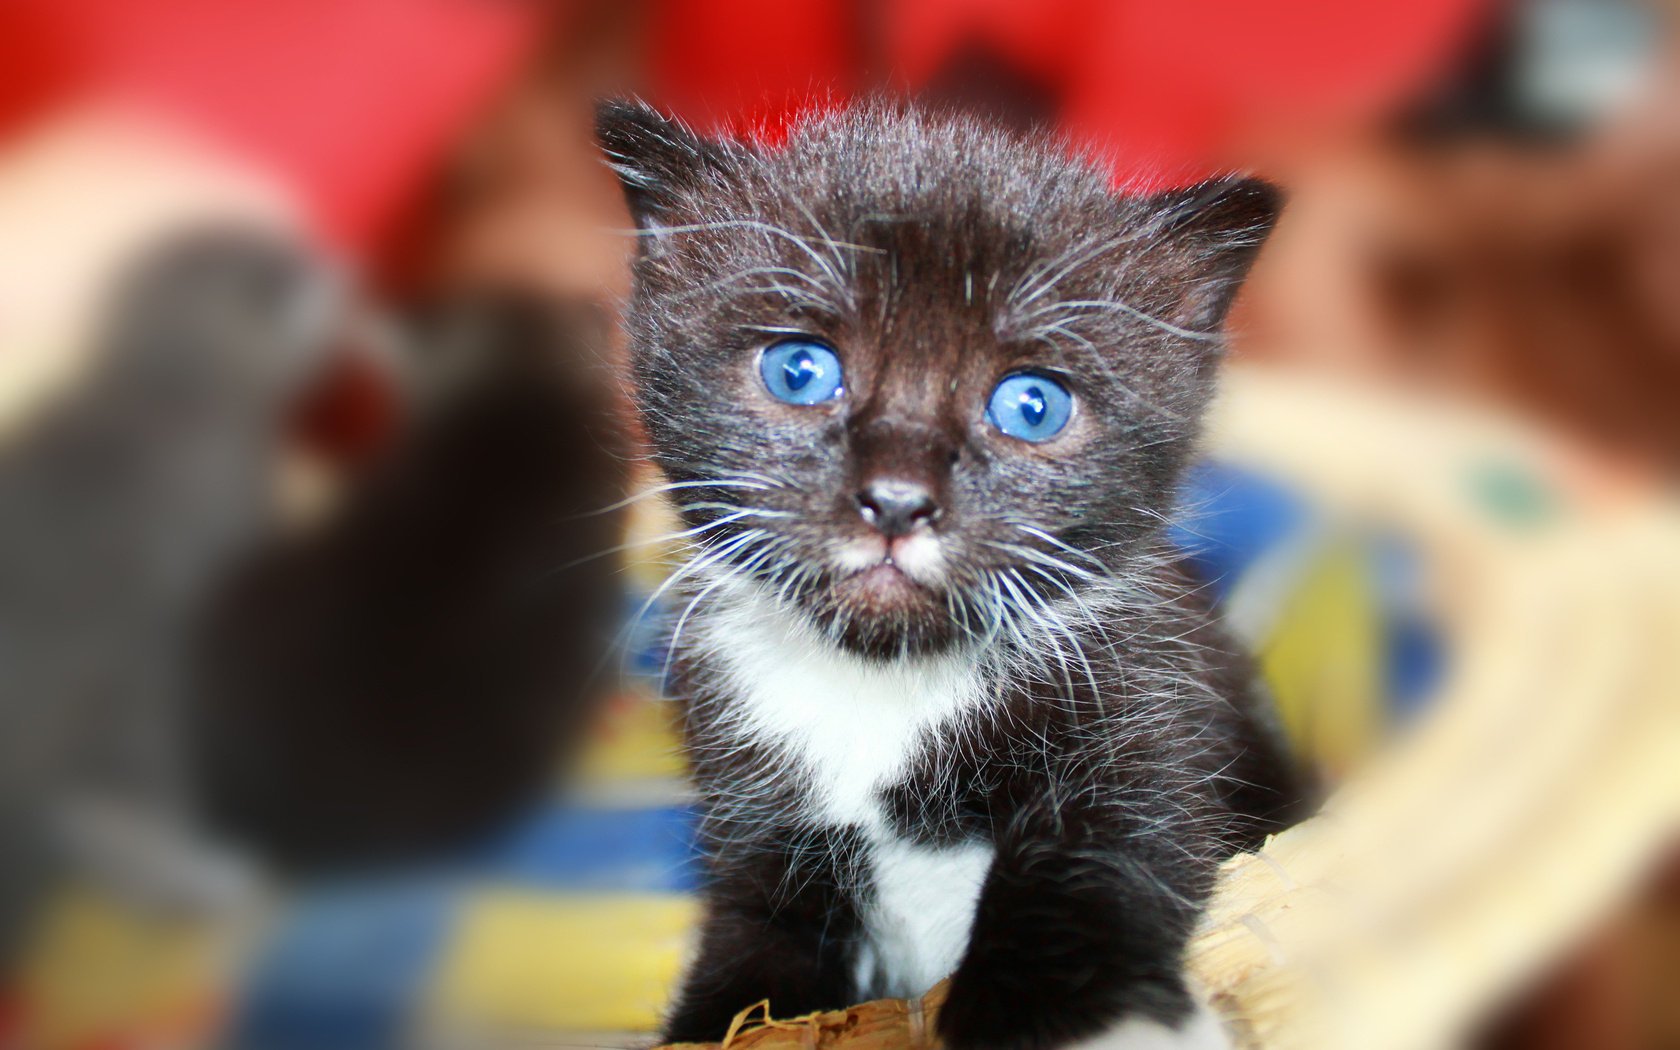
(854, 726)
(919, 917)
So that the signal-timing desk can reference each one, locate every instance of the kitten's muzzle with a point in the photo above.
(897, 507)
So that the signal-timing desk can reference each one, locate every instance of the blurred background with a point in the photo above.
(329, 617)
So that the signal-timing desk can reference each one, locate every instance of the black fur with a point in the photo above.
(1119, 756)
(794, 949)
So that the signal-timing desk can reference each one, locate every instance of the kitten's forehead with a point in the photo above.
(935, 237)
(948, 196)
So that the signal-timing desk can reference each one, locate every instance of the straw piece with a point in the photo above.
(885, 1024)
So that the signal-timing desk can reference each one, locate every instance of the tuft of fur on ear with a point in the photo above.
(654, 156)
(1218, 228)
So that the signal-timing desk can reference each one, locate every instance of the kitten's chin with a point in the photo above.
(880, 612)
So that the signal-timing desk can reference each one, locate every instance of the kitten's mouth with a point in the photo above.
(884, 577)
(885, 597)
(884, 590)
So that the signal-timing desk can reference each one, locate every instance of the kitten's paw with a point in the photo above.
(1200, 1031)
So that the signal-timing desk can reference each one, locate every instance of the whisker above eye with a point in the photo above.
(776, 329)
(748, 224)
(833, 277)
(1116, 306)
(812, 294)
(1043, 279)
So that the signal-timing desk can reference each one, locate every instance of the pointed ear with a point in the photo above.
(655, 157)
(1215, 230)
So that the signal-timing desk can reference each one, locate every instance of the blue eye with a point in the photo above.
(801, 372)
(1030, 406)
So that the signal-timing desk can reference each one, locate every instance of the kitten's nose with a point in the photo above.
(896, 507)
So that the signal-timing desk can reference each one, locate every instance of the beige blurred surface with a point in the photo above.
(80, 198)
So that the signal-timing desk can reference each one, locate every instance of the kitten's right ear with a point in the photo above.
(1218, 227)
(655, 157)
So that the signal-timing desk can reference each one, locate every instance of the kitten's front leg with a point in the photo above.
(1078, 942)
(780, 925)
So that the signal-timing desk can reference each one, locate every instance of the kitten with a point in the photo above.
(924, 389)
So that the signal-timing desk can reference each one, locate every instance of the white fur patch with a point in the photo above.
(919, 919)
(853, 723)
(1201, 1031)
(920, 555)
(855, 555)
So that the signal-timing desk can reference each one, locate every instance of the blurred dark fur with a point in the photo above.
(411, 674)
(117, 509)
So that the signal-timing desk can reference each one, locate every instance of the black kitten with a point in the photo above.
(925, 389)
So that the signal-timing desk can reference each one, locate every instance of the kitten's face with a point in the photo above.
(913, 376)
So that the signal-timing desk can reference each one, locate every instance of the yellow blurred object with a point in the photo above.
(1323, 662)
(528, 961)
(651, 551)
(638, 740)
(105, 974)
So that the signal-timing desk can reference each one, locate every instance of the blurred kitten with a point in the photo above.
(118, 510)
(397, 678)
(414, 672)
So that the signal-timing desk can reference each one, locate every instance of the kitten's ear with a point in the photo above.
(1217, 229)
(654, 157)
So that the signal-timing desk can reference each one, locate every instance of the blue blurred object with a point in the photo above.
(609, 849)
(342, 970)
(1416, 664)
(1415, 650)
(1227, 518)
(645, 638)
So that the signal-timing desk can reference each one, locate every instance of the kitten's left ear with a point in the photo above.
(1216, 228)
(655, 157)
